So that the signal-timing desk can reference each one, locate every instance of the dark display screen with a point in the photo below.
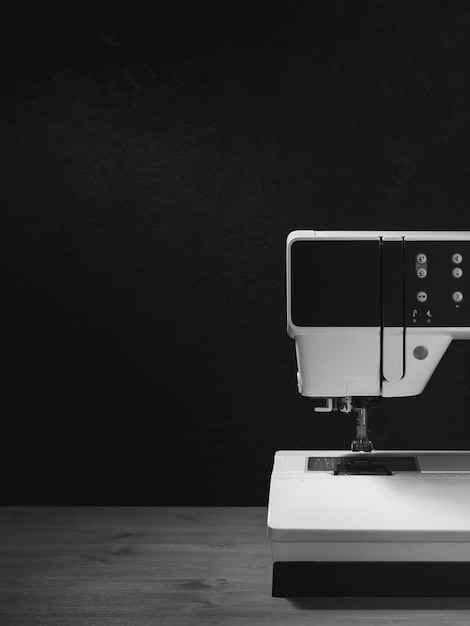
(335, 283)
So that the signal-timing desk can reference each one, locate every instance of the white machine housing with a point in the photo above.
(421, 515)
(404, 312)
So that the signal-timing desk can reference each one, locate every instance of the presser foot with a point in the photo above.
(362, 443)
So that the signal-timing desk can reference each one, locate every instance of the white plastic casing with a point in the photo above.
(408, 516)
(367, 361)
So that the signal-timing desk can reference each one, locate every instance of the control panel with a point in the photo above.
(437, 283)
(389, 283)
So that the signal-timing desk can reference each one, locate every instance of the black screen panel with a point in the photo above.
(335, 283)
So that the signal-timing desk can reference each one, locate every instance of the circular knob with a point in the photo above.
(420, 353)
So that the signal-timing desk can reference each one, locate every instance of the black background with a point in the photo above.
(151, 168)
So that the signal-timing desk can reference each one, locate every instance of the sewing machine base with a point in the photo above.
(390, 523)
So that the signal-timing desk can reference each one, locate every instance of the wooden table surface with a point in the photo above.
(167, 566)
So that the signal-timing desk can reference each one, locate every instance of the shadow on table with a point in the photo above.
(409, 604)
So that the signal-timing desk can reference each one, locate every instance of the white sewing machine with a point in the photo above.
(372, 314)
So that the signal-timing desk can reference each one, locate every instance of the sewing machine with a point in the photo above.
(372, 314)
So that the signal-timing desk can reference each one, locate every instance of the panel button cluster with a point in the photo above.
(421, 267)
(457, 272)
(437, 283)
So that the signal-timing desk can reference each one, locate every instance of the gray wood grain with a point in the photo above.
(167, 566)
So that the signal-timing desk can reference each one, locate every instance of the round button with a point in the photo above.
(457, 258)
(420, 353)
(421, 296)
(421, 258)
(457, 272)
(421, 272)
(457, 296)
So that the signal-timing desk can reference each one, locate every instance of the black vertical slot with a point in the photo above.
(393, 284)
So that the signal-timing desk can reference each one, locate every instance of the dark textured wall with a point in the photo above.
(150, 172)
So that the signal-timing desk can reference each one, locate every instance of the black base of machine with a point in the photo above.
(370, 579)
